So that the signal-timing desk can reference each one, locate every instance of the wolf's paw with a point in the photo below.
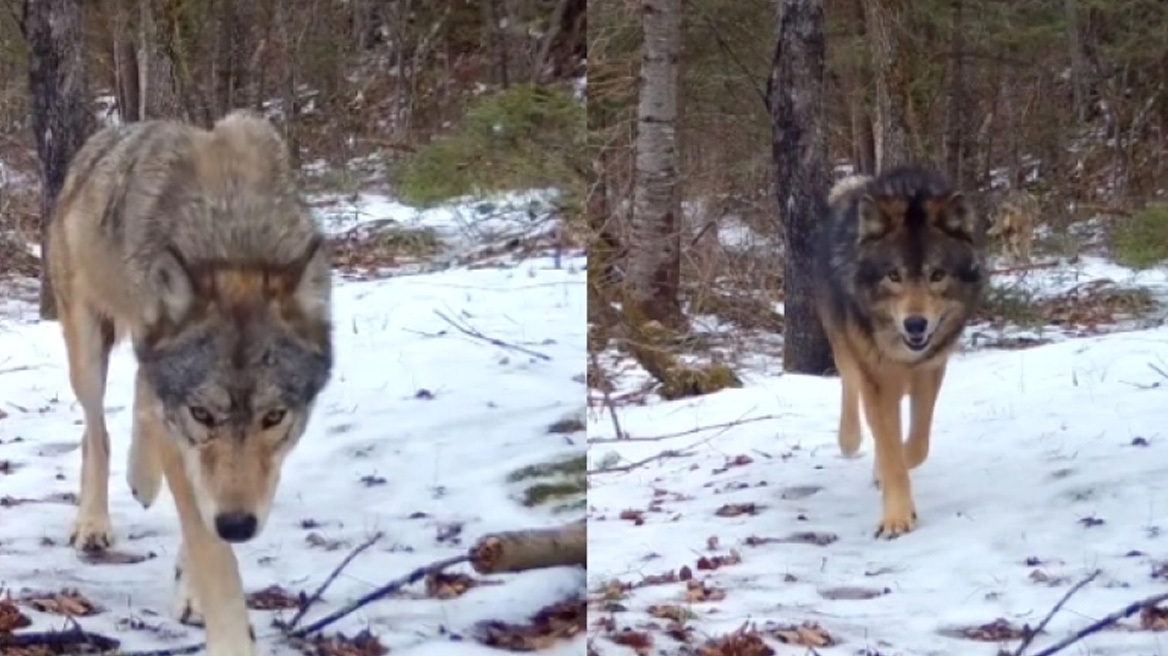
(91, 533)
(186, 607)
(896, 524)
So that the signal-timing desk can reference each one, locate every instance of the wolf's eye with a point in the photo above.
(937, 275)
(202, 415)
(273, 417)
(893, 275)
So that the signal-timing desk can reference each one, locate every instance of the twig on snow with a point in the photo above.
(700, 429)
(669, 453)
(471, 332)
(607, 396)
(1104, 622)
(1057, 607)
(316, 595)
(382, 591)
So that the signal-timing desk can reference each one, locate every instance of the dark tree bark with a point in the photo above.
(959, 161)
(655, 262)
(61, 117)
(799, 148)
(892, 131)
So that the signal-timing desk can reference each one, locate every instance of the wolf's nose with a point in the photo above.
(916, 325)
(236, 526)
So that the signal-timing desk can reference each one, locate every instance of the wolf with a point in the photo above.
(900, 273)
(1013, 223)
(194, 245)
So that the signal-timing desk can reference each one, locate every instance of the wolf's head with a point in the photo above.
(919, 259)
(235, 358)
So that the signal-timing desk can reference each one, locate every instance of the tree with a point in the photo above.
(892, 137)
(61, 119)
(799, 150)
(655, 270)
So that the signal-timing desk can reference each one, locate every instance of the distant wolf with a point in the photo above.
(195, 244)
(901, 272)
(1013, 223)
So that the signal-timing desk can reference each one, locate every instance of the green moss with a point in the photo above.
(571, 466)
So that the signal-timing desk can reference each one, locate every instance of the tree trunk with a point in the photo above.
(655, 269)
(61, 117)
(799, 149)
(863, 139)
(1079, 82)
(892, 139)
(959, 162)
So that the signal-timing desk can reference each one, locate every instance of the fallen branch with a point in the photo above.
(668, 453)
(316, 595)
(518, 551)
(379, 593)
(1104, 622)
(70, 641)
(700, 429)
(1025, 267)
(1057, 607)
(471, 332)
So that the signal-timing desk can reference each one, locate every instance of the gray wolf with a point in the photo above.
(1013, 223)
(193, 244)
(900, 273)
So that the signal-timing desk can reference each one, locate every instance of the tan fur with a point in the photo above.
(846, 186)
(164, 232)
(1014, 223)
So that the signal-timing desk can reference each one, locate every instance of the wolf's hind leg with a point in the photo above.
(144, 471)
(849, 423)
(88, 341)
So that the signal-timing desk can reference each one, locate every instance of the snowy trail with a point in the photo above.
(414, 437)
(1046, 464)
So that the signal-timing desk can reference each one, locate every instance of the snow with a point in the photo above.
(460, 224)
(377, 456)
(1046, 464)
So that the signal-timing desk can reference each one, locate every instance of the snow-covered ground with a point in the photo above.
(414, 437)
(1047, 464)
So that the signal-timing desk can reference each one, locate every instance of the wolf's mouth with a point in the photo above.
(916, 343)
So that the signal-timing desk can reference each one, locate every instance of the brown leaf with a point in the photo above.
(559, 621)
(998, 630)
(743, 642)
(444, 585)
(640, 642)
(807, 634)
(1153, 618)
(11, 618)
(736, 461)
(736, 509)
(669, 612)
(637, 517)
(337, 644)
(718, 561)
(65, 602)
(273, 597)
(698, 591)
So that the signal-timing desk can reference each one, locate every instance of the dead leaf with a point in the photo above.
(807, 634)
(338, 644)
(999, 630)
(718, 561)
(640, 642)
(670, 612)
(66, 602)
(559, 621)
(1153, 618)
(736, 461)
(11, 618)
(273, 597)
(736, 509)
(444, 585)
(743, 642)
(696, 590)
(637, 517)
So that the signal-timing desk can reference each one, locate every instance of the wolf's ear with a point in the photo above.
(172, 282)
(955, 216)
(873, 223)
(311, 283)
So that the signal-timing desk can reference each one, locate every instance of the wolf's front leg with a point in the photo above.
(882, 407)
(208, 571)
(923, 390)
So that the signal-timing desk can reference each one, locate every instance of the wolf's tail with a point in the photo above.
(846, 186)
